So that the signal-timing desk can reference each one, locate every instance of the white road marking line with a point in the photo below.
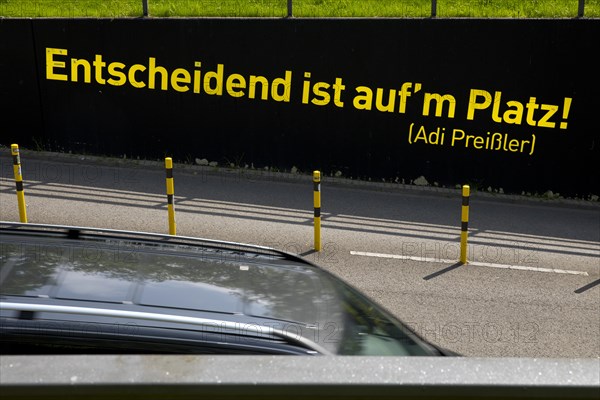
(412, 258)
(476, 263)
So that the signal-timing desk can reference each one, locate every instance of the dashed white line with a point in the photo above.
(380, 255)
(475, 263)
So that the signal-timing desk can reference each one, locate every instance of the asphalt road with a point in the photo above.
(531, 288)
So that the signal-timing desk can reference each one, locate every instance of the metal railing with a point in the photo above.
(290, 8)
(233, 377)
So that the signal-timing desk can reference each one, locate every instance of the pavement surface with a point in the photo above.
(531, 287)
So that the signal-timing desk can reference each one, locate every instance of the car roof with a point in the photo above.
(175, 280)
(157, 271)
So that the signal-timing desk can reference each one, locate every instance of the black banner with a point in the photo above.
(506, 104)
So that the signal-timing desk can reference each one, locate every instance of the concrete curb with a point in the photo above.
(278, 176)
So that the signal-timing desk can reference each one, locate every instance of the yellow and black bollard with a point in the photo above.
(14, 150)
(464, 228)
(170, 196)
(317, 204)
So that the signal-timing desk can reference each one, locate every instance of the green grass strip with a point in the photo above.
(301, 8)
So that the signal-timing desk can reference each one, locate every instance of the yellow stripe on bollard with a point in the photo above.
(14, 150)
(464, 228)
(317, 205)
(170, 196)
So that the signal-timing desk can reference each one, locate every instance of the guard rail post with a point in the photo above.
(464, 228)
(317, 206)
(16, 156)
(170, 196)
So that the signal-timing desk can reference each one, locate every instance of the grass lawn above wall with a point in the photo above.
(300, 8)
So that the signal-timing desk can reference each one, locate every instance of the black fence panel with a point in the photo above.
(505, 104)
(20, 107)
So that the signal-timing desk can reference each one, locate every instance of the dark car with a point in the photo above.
(74, 290)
